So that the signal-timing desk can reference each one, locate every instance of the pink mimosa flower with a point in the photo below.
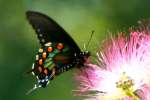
(123, 72)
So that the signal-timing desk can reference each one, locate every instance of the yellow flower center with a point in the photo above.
(126, 84)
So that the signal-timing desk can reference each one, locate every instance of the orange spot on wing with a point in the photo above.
(49, 49)
(44, 55)
(60, 46)
(40, 61)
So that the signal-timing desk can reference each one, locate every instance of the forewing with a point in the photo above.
(49, 31)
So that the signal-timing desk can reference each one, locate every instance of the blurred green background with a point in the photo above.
(18, 43)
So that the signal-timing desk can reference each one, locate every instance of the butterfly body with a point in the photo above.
(58, 52)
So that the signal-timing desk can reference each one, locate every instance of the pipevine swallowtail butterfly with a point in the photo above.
(58, 51)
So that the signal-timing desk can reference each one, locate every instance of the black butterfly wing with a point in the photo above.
(49, 31)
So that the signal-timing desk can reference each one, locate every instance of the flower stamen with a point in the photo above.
(126, 84)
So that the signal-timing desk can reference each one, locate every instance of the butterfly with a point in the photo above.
(58, 52)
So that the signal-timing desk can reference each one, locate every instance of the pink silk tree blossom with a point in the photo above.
(123, 72)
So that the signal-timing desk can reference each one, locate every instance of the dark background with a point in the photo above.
(18, 43)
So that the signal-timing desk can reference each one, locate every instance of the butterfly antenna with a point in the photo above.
(33, 89)
(90, 39)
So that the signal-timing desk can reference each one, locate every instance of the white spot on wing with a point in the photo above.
(48, 44)
(33, 66)
(40, 35)
(37, 57)
(43, 40)
(40, 50)
(42, 80)
(33, 73)
(37, 77)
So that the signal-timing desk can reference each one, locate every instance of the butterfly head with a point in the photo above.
(83, 58)
(86, 55)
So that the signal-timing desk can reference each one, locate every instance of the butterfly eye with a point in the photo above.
(44, 55)
(60, 46)
(40, 61)
(49, 49)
